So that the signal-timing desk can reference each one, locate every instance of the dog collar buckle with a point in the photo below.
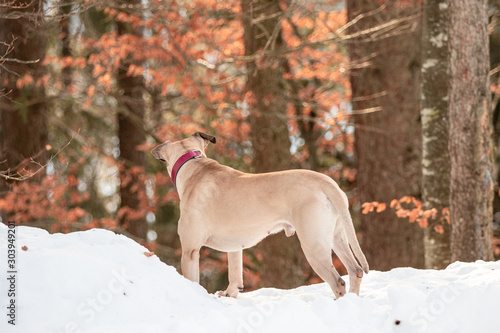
(182, 160)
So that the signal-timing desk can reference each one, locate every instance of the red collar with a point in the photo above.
(183, 159)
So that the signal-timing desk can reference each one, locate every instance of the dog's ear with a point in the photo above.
(157, 151)
(205, 136)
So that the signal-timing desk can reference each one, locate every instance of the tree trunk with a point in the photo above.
(283, 259)
(435, 124)
(23, 111)
(471, 150)
(64, 11)
(130, 134)
(388, 142)
(306, 126)
(494, 12)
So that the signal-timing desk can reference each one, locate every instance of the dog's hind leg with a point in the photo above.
(321, 262)
(235, 270)
(318, 253)
(343, 251)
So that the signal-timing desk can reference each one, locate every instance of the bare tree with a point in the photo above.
(435, 124)
(283, 259)
(23, 105)
(130, 134)
(471, 150)
(388, 142)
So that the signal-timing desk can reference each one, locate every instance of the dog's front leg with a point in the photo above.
(192, 239)
(235, 269)
(190, 264)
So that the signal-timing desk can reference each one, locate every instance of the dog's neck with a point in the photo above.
(192, 154)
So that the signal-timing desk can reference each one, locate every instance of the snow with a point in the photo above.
(429, 63)
(97, 281)
(439, 40)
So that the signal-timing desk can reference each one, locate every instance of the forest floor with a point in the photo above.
(97, 281)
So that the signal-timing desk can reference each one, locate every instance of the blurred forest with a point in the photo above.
(89, 87)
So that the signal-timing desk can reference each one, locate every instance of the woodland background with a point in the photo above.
(365, 91)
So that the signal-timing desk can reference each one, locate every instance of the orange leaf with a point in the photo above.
(439, 229)
(406, 199)
(446, 214)
(402, 213)
(413, 216)
(422, 222)
(91, 91)
(381, 207)
(367, 208)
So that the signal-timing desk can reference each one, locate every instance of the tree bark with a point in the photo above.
(130, 134)
(23, 110)
(435, 131)
(388, 142)
(283, 262)
(471, 150)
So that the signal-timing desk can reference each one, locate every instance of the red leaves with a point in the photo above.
(369, 207)
(439, 229)
(381, 207)
(411, 208)
(25, 80)
(134, 70)
(28, 201)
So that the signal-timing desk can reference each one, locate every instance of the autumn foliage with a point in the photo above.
(410, 208)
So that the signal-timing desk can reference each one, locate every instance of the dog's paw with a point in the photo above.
(221, 293)
(229, 292)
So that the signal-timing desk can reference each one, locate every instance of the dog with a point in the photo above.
(228, 210)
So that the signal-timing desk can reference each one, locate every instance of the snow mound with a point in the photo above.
(97, 281)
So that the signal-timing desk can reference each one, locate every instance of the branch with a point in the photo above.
(20, 61)
(7, 175)
(13, 12)
(495, 70)
(379, 32)
(12, 5)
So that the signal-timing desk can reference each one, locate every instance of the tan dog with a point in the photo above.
(229, 211)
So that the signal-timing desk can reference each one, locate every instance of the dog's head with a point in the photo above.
(170, 152)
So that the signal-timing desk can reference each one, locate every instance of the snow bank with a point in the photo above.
(97, 281)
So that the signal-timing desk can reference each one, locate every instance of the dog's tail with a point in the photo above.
(333, 191)
(353, 241)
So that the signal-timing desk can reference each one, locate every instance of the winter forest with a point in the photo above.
(398, 101)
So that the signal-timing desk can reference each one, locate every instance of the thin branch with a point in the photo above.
(387, 30)
(20, 61)
(495, 70)
(13, 5)
(277, 28)
(7, 175)
(360, 17)
(368, 97)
